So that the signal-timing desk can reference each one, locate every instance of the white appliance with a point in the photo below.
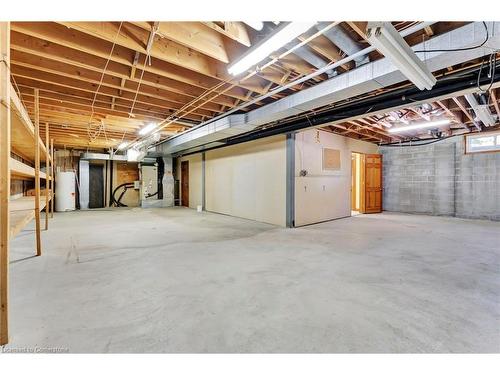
(65, 191)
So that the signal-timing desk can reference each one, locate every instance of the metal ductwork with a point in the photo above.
(342, 39)
(307, 55)
(362, 80)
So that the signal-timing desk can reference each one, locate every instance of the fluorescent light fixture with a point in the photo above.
(482, 112)
(147, 129)
(122, 145)
(420, 125)
(281, 37)
(256, 25)
(385, 38)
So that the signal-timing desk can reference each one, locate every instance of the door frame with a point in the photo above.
(184, 183)
(362, 183)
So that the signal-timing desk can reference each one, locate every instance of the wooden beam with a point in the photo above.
(134, 38)
(53, 178)
(464, 110)
(48, 175)
(4, 179)
(235, 30)
(196, 36)
(495, 101)
(178, 78)
(451, 113)
(359, 28)
(37, 175)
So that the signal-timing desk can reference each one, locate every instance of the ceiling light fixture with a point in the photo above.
(256, 25)
(282, 36)
(385, 38)
(147, 129)
(420, 125)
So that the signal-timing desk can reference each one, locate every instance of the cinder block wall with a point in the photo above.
(439, 179)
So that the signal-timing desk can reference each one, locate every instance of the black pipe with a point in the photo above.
(111, 194)
(117, 202)
(405, 96)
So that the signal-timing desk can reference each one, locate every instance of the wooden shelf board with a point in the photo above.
(21, 171)
(22, 211)
(23, 130)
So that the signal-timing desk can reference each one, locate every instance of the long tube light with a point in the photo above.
(420, 125)
(123, 145)
(147, 129)
(283, 36)
(385, 38)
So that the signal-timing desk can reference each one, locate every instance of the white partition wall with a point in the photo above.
(324, 194)
(248, 180)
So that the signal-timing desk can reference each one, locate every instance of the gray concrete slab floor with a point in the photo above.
(174, 280)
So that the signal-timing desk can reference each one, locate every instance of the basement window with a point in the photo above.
(489, 142)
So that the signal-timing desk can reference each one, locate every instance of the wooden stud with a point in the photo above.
(495, 101)
(4, 179)
(47, 176)
(53, 178)
(37, 175)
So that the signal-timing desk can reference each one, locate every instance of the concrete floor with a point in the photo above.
(173, 280)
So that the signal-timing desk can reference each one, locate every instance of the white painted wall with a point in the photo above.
(248, 180)
(195, 182)
(322, 194)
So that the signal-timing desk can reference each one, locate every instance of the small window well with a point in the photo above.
(488, 142)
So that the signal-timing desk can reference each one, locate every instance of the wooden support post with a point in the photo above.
(53, 175)
(4, 178)
(47, 176)
(37, 174)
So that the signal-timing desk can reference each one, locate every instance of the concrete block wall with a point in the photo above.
(439, 179)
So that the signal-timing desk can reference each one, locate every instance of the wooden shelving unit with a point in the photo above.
(22, 211)
(19, 136)
(24, 143)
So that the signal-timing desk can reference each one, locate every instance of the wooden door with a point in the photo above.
(373, 183)
(185, 183)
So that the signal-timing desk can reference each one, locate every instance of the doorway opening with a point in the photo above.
(356, 183)
(366, 183)
(185, 183)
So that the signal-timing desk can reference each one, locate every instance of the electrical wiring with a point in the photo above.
(492, 60)
(461, 49)
(89, 129)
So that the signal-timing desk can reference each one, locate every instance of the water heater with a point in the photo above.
(65, 191)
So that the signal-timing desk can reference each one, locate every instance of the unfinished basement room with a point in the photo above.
(249, 187)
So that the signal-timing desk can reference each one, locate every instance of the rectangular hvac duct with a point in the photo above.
(362, 80)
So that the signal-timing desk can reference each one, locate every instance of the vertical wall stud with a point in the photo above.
(47, 175)
(37, 174)
(203, 181)
(290, 180)
(4, 179)
(53, 178)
